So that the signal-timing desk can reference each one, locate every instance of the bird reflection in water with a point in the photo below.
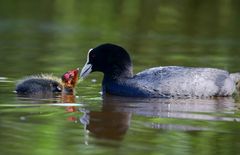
(113, 120)
(108, 123)
(70, 98)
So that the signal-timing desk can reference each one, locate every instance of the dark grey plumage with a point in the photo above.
(44, 84)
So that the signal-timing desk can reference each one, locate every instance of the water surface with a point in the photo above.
(54, 36)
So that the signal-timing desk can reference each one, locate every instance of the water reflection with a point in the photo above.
(113, 121)
(130, 122)
(173, 108)
(108, 124)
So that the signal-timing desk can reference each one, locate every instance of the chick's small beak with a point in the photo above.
(86, 70)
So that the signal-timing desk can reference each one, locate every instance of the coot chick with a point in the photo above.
(46, 85)
(162, 82)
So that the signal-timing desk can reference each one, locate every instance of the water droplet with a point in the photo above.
(94, 80)
(23, 118)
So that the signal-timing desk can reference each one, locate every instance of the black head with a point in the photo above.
(110, 59)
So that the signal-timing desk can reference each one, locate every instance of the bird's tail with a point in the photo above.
(236, 78)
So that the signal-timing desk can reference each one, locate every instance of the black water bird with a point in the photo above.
(168, 81)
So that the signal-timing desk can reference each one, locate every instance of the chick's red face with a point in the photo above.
(70, 78)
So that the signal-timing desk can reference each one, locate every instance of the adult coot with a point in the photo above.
(168, 81)
(46, 85)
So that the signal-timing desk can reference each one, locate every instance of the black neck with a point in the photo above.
(116, 72)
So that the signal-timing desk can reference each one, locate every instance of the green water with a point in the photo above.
(53, 36)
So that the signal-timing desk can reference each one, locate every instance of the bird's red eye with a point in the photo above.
(93, 55)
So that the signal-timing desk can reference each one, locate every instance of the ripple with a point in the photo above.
(5, 80)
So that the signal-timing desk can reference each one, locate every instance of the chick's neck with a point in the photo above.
(68, 90)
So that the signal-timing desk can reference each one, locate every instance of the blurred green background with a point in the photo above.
(55, 35)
